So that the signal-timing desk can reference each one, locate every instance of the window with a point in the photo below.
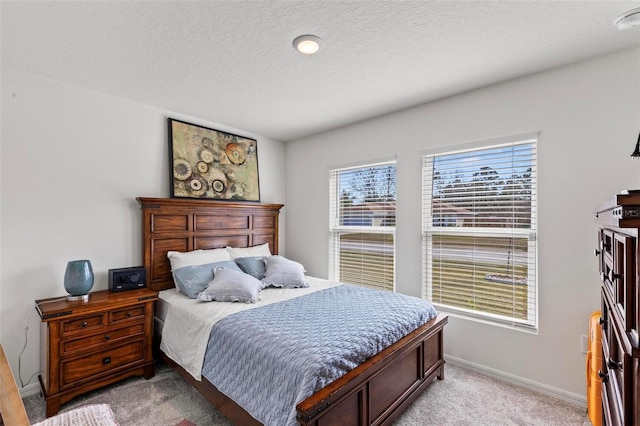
(362, 225)
(479, 230)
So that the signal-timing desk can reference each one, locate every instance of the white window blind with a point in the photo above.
(362, 225)
(480, 231)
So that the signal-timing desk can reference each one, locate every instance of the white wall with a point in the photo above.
(588, 116)
(73, 161)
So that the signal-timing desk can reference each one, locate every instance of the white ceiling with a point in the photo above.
(232, 62)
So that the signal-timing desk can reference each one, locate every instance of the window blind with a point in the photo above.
(480, 231)
(362, 225)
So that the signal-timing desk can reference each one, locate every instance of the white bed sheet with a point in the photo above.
(188, 322)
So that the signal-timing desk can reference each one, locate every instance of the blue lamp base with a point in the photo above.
(78, 280)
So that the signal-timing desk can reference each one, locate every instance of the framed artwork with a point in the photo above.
(211, 164)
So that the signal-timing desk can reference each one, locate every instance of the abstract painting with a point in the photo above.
(211, 164)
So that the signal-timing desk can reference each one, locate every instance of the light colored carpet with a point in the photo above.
(468, 398)
(462, 398)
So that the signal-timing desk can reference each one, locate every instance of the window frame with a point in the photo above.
(336, 229)
(531, 234)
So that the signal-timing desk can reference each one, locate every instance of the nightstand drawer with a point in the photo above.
(92, 342)
(84, 367)
(128, 314)
(83, 324)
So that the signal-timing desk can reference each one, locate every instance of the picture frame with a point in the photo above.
(211, 164)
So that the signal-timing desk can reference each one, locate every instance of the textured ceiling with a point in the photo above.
(231, 62)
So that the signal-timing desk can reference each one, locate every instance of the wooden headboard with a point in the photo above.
(176, 224)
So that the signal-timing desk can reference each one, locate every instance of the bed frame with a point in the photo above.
(374, 393)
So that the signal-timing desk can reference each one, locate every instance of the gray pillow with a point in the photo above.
(282, 272)
(253, 265)
(191, 280)
(232, 286)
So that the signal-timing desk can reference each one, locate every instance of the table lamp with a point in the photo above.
(78, 279)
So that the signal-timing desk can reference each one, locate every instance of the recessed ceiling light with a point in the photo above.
(628, 19)
(307, 44)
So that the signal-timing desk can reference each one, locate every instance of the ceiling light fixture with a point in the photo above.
(307, 44)
(628, 19)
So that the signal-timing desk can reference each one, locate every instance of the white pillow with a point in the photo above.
(260, 250)
(197, 257)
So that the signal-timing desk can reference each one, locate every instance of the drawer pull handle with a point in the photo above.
(613, 364)
(106, 361)
(128, 314)
(84, 324)
(603, 376)
(596, 252)
(614, 276)
(601, 321)
(107, 337)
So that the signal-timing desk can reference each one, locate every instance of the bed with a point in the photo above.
(373, 393)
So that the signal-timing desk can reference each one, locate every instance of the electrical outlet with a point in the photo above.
(584, 344)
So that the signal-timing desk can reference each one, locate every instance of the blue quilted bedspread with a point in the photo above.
(270, 358)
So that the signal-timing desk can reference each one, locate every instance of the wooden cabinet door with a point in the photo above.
(624, 280)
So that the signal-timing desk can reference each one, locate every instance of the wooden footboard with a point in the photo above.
(374, 393)
(377, 391)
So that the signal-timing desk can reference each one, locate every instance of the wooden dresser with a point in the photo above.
(87, 345)
(618, 255)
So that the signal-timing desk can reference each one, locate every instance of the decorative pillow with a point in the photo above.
(197, 257)
(191, 280)
(253, 266)
(282, 272)
(232, 286)
(261, 250)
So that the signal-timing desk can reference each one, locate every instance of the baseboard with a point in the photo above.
(30, 389)
(563, 395)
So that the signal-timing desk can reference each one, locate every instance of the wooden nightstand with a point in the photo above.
(87, 345)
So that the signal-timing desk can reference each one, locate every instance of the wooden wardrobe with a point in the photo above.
(618, 256)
